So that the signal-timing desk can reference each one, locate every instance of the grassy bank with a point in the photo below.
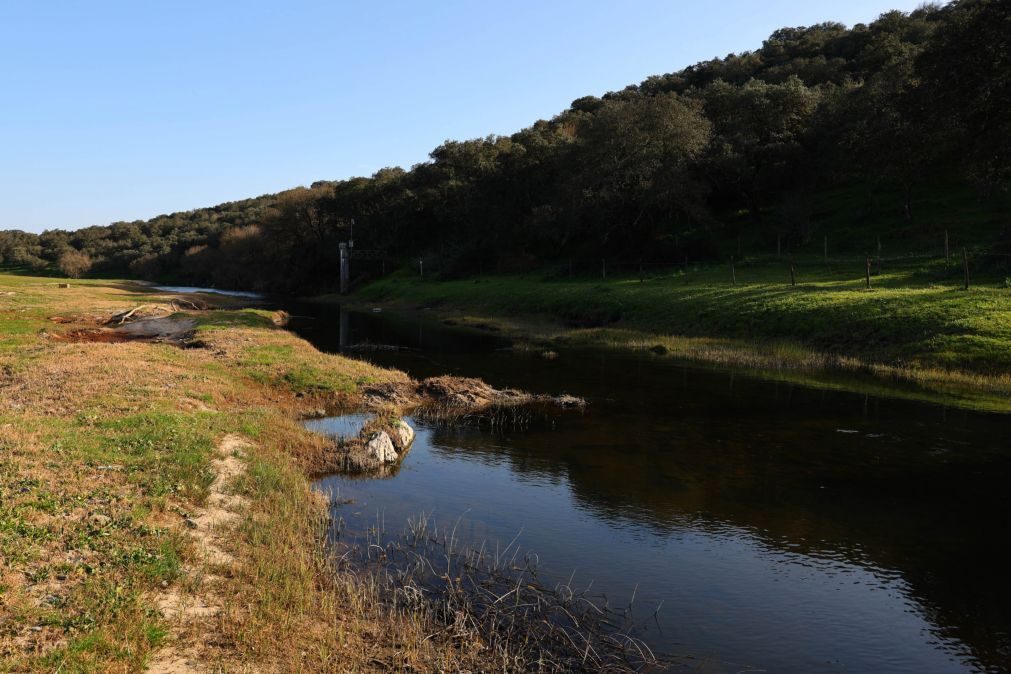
(916, 323)
(154, 505)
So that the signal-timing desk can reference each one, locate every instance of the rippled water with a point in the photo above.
(774, 526)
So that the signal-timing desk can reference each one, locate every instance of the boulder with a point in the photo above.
(380, 447)
(405, 434)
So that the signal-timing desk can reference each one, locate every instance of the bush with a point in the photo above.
(74, 263)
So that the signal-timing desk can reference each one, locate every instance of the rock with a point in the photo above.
(405, 434)
(381, 448)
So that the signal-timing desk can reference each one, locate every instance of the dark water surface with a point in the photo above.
(783, 528)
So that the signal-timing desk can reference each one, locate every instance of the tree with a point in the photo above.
(632, 161)
(758, 132)
(966, 71)
(74, 263)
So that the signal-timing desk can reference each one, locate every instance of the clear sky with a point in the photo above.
(122, 110)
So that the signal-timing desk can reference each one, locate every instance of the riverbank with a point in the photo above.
(915, 326)
(155, 505)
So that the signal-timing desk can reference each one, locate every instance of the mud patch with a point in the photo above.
(171, 329)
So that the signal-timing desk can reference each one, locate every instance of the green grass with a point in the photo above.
(915, 319)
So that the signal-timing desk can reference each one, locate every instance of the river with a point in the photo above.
(760, 525)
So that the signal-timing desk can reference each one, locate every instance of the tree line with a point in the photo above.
(672, 167)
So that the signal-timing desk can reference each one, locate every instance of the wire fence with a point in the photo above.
(960, 266)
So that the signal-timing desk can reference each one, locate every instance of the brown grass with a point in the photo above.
(109, 459)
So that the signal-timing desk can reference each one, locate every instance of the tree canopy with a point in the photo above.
(663, 169)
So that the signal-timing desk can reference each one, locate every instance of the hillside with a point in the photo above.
(894, 130)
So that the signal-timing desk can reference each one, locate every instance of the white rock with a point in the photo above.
(404, 433)
(381, 448)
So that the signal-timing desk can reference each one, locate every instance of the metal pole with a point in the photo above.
(345, 274)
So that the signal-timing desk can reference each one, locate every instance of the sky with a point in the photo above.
(116, 110)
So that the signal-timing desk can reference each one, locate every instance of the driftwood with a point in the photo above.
(186, 304)
(123, 316)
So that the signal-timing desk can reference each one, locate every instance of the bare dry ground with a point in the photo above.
(155, 512)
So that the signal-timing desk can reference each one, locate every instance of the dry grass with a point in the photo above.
(109, 461)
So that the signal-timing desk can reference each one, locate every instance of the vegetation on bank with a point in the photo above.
(125, 542)
(854, 134)
(916, 323)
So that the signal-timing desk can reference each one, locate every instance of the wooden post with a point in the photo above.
(965, 267)
(793, 276)
(733, 271)
(868, 274)
(947, 257)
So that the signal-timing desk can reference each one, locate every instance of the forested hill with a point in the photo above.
(896, 129)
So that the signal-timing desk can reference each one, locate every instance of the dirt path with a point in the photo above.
(193, 605)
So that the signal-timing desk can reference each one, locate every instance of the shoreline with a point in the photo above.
(156, 506)
(784, 357)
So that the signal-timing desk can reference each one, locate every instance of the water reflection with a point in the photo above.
(782, 527)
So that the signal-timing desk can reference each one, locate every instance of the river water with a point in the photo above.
(776, 527)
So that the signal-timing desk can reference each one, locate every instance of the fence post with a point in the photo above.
(965, 266)
(868, 273)
(733, 271)
(793, 277)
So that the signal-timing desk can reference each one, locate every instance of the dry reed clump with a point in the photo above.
(493, 605)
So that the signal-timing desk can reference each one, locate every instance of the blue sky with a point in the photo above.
(125, 110)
